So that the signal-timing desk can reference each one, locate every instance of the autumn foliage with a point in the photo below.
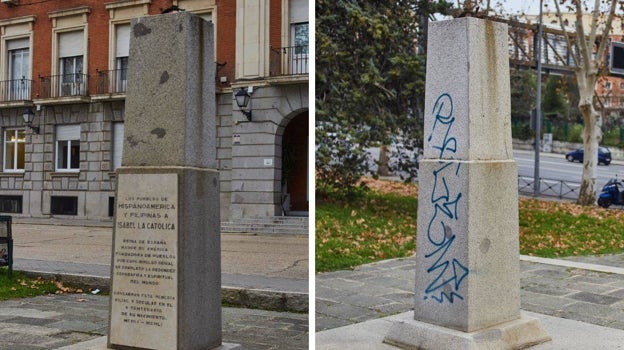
(381, 224)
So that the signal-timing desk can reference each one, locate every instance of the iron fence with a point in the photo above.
(291, 60)
(112, 81)
(549, 187)
(15, 90)
(74, 84)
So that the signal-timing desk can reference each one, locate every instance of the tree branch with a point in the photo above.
(567, 37)
(600, 56)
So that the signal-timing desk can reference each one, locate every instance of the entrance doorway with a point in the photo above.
(295, 191)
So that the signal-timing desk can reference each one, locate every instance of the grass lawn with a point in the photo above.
(382, 225)
(19, 286)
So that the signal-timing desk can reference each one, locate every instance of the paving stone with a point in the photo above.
(548, 289)
(402, 298)
(601, 279)
(365, 300)
(83, 320)
(324, 322)
(552, 273)
(31, 321)
(594, 298)
(588, 287)
(545, 301)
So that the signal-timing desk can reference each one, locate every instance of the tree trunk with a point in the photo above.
(592, 134)
(383, 169)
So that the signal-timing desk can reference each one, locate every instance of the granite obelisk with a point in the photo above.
(166, 266)
(467, 293)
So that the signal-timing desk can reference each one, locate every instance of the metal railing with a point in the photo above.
(15, 90)
(522, 40)
(111, 81)
(65, 85)
(291, 60)
(549, 187)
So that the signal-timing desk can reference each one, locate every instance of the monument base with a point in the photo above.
(522, 333)
(100, 344)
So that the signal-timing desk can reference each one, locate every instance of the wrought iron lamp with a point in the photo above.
(242, 100)
(29, 116)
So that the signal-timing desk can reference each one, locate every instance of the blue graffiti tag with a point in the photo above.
(448, 272)
(443, 111)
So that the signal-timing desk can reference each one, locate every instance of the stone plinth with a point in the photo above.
(166, 288)
(467, 291)
(166, 267)
(467, 263)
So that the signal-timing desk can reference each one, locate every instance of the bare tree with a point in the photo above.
(589, 52)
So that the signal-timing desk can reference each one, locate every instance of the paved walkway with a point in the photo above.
(52, 322)
(259, 271)
(588, 289)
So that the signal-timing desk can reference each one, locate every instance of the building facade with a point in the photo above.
(63, 80)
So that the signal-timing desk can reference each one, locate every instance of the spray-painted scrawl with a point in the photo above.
(446, 272)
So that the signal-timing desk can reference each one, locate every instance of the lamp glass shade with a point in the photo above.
(28, 116)
(242, 98)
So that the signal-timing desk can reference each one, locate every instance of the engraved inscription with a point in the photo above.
(144, 293)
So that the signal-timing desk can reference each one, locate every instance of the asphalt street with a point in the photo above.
(556, 167)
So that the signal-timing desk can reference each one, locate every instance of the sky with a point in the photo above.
(530, 7)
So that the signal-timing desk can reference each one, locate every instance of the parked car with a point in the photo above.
(604, 155)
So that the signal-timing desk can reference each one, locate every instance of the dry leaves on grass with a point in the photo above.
(389, 186)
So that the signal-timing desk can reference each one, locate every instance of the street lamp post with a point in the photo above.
(538, 108)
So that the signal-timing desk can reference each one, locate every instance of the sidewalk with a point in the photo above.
(258, 272)
(587, 290)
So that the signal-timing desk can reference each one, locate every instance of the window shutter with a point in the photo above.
(71, 44)
(206, 16)
(118, 137)
(298, 11)
(68, 132)
(22, 43)
(122, 35)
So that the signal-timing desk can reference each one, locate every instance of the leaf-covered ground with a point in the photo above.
(382, 225)
(556, 229)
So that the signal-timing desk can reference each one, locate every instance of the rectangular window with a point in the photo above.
(14, 150)
(71, 78)
(18, 69)
(300, 41)
(118, 137)
(68, 148)
(11, 204)
(62, 205)
(122, 51)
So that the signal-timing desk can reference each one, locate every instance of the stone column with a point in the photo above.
(467, 293)
(166, 266)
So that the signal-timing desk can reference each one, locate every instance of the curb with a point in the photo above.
(281, 301)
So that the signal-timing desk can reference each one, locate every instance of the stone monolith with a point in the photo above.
(467, 293)
(166, 266)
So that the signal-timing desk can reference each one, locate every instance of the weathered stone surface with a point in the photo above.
(170, 104)
(467, 290)
(467, 90)
(467, 267)
(517, 334)
(181, 207)
(166, 271)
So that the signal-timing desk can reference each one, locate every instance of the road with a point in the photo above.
(552, 167)
(556, 167)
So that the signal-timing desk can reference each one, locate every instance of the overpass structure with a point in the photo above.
(556, 57)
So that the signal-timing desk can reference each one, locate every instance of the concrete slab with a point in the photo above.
(566, 334)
